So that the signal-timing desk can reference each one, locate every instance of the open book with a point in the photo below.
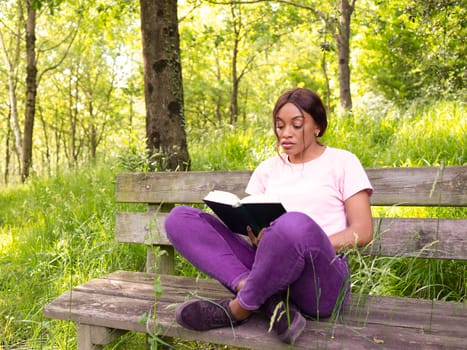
(256, 211)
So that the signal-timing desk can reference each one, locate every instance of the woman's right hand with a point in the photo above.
(254, 240)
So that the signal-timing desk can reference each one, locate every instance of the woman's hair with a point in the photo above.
(306, 101)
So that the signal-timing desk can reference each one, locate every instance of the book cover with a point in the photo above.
(254, 211)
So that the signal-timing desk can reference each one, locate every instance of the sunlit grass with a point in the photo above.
(56, 233)
(229, 148)
(424, 135)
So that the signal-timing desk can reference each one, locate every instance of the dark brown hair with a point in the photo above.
(306, 101)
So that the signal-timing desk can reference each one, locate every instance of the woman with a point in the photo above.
(295, 266)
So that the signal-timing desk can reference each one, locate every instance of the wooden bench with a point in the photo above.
(106, 307)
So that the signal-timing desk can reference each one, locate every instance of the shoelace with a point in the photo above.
(217, 314)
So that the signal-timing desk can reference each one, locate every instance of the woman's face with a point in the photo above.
(296, 132)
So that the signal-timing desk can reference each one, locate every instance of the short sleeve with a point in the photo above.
(354, 178)
(256, 184)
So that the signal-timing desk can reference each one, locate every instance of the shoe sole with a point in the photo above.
(294, 331)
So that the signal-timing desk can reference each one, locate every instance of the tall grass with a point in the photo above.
(384, 136)
(380, 134)
(57, 232)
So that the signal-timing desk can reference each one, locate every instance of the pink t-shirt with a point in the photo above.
(317, 188)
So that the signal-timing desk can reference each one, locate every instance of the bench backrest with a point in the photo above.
(430, 237)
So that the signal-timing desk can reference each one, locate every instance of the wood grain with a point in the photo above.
(424, 186)
(123, 300)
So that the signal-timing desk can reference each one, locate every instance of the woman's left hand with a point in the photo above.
(254, 239)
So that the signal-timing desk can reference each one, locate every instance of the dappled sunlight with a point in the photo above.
(6, 242)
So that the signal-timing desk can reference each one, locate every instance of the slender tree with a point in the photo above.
(32, 78)
(337, 20)
(163, 89)
(31, 88)
(11, 56)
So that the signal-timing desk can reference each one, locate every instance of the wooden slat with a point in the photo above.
(141, 227)
(437, 317)
(423, 186)
(177, 187)
(432, 238)
(121, 299)
(427, 238)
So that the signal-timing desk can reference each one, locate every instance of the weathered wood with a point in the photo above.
(124, 300)
(161, 259)
(176, 187)
(425, 186)
(85, 338)
(431, 238)
(141, 227)
(94, 337)
(426, 238)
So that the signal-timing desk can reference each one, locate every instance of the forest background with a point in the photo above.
(407, 64)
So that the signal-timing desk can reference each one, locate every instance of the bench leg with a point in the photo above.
(94, 337)
(163, 261)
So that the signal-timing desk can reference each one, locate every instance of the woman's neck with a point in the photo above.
(312, 152)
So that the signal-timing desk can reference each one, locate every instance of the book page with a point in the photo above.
(223, 197)
(260, 198)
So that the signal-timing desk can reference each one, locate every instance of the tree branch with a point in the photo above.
(317, 12)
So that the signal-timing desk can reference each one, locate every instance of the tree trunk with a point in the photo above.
(13, 112)
(73, 150)
(326, 78)
(11, 57)
(163, 89)
(47, 160)
(31, 89)
(7, 151)
(340, 30)
(235, 80)
(237, 24)
(219, 95)
(343, 52)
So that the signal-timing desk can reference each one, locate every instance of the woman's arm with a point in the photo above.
(360, 223)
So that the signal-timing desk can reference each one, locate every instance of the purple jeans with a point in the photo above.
(294, 252)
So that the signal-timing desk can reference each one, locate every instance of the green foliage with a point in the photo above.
(91, 82)
(430, 279)
(136, 155)
(379, 133)
(409, 277)
(412, 49)
(230, 148)
(382, 134)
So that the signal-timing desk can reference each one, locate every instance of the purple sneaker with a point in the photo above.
(285, 318)
(202, 315)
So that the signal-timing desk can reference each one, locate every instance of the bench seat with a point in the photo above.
(121, 301)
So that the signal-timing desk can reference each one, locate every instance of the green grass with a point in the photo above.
(57, 232)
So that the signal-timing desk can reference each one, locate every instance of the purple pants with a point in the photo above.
(294, 251)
